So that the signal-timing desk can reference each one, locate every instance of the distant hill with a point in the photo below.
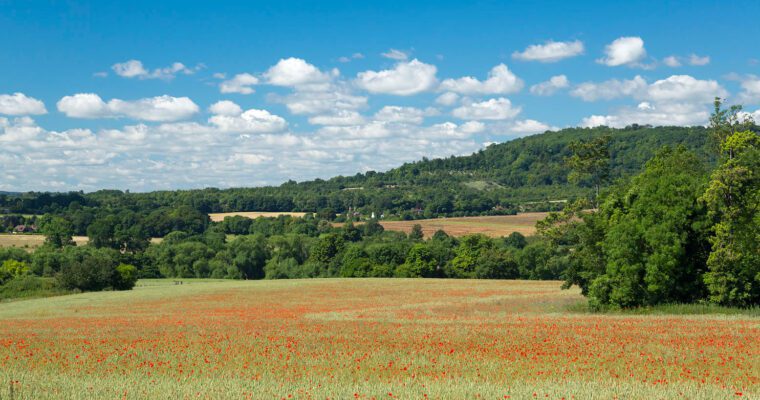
(529, 171)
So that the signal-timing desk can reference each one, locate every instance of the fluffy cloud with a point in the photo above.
(493, 109)
(397, 55)
(672, 61)
(240, 83)
(550, 51)
(225, 107)
(529, 127)
(338, 118)
(20, 104)
(667, 114)
(319, 102)
(624, 51)
(699, 60)
(192, 155)
(551, 86)
(296, 72)
(676, 100)
(695, 60)
(409, 115)
(750, 90)
(135, 69)
(500, 81)
(611, 89)
(160, 108)
(406, 78)
(447, 99)
(684, 88)
(250, 121)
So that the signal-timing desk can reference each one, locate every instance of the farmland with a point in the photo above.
(36, 240)
(366, 338)
(492, 226)
(216, 217)
(31, 241)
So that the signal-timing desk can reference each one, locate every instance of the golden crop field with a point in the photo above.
(365, 339)
(216, 217)
(31, 241)
(493, 226)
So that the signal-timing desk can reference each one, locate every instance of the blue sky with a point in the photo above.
(163, 95)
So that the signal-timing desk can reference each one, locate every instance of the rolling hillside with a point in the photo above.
(525, 173)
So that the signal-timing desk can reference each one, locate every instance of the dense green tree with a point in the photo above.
(733, 200)
(420, 262)
(416, 233)
(590, 162)
(12, 269)
(58, 231)
(467, 255)
(655, 247)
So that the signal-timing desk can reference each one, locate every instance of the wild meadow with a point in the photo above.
(366, 339)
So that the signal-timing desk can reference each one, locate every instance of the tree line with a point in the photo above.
(681, 231)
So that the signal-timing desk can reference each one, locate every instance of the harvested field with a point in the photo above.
(31, 241)
(36, 240)
(493, 226)
(216, 217)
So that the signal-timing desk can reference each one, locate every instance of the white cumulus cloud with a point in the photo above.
(135, 69)
(21, 104)
(338, 118)
(160, 108)
(493, 109)
(397, 55)
(406, 78)
(225, 107)
(551, 86)
(672, 61)
(295, 72)
(550, 51)
(240, 83)
(610, 89)
(409, 115)
(500, 81)
(699, 60)
(624, 51)
(250, 121)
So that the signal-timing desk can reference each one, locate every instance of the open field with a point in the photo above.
(216, 217)
(365, 338)
(493, 226)
(31, 241)
(35, 240)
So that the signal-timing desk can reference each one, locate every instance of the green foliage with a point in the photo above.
(12, 269)
(416, 233)
(655, 246)
(467, 255)
(29, 286)
(90, 269)
(58, 231)
(126, 277)
(590, 162)
(733, 200)
(420, 262)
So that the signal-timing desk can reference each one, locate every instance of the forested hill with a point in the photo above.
(500, 178)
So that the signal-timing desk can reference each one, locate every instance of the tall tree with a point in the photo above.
(590, 163)
(58, 231)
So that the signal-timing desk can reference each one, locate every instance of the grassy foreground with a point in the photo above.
(365, 338)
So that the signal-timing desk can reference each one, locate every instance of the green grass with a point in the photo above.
(30, 287)
(668, 309)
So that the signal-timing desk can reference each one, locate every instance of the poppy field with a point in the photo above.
(365, 339)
